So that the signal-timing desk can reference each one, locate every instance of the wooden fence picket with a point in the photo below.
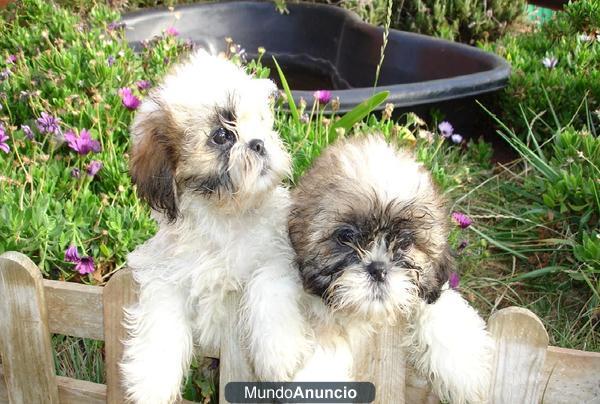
(25, 348)
(521, 345)
(233, 364)
(383, 364)
(119, 292)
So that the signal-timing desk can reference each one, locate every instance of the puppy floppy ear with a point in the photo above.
(154, 156)
(445, 265)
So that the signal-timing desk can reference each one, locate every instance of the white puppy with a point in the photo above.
(206, 158)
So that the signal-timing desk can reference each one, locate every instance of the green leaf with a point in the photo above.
(537, 273)
(288, 93)
(359, 112)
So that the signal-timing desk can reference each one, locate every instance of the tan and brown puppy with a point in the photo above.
(370, 232)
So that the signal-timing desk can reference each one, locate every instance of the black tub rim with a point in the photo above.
(401, 95)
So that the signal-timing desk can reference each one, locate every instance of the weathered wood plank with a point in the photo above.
(73, 391)
(234, 366)
(417, 388)
(74, 309)
(119, 292)
(570, 376)
(70, 391)
(3, 389)
(521, 344)
(384, 365)
(24, 336)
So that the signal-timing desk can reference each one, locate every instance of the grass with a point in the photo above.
(533, 242)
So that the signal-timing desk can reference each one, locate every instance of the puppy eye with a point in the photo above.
(405, 241)
(222, 136)
(345, 235)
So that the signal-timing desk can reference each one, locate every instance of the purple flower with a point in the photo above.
(27, 131)
(3, 138)
(446, 129)
(76, 173)
(82, 144)
(93, 168)
(462, 220)
(110, 61)
(550, 62)
(130, 101)
(142, 85)
(322, 96)
(171, 31)
(85, 265)
(115, 25)
(456, 138)
(454, 280)
(72, 255)
(11, 59)
(48, 124)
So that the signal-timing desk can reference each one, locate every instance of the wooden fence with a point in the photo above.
(527, 370)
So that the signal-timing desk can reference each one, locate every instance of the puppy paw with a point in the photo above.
(279, 361)
(331, 362)
(147, 387)
(448, 343)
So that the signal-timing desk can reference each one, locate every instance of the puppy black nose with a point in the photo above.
(377, 270)
(258, 146)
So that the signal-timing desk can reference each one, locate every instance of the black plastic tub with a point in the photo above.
(326, 47)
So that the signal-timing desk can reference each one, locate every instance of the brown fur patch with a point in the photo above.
(154, 158)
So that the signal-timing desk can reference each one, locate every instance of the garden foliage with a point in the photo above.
(556, 63)
(466, 21)
(62, 77)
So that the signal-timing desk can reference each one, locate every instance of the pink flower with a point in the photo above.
(322, 96)
(93, 168)
(142, 85)
(454, 280)
(462, 220)
(130, 101)
(11, 59)
(3, 138)
(82, 144)
(72, 255)
(85, 265)
(446, 129)
(171, 31)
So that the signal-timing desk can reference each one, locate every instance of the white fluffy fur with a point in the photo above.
(215, 248)
(448, 343)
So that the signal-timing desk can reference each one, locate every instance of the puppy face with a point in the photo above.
(207, 132)
(369, 230)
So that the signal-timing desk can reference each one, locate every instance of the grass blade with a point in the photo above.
(288, 93)
(359, 112)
